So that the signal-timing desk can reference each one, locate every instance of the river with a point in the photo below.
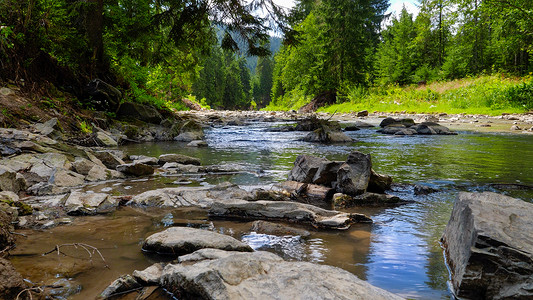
(400, 252)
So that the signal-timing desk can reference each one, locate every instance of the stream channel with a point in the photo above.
(400, 252)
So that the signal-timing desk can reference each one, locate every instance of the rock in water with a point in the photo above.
(305, 168)
(136, 169)
(263, 275)
(178, 158)
(184, 240)
(354, 175)
(287, 211)
(489, 247)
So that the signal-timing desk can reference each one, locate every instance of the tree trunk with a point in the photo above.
(95, 30)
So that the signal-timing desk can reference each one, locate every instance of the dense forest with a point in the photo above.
(221, 52)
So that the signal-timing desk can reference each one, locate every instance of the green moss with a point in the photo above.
(23, 208)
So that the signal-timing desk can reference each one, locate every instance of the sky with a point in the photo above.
(395, 5)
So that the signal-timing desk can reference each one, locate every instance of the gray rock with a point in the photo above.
(189, 136)
(405, 131)
(119, 286)
(424, 190)
(379, 183)
(140, 112)
(263, 275)
(407, 122)
(136, 169)
(439, 129)
(363, 113)
(327, 173)
(147, 160)
(392, 129)
(180, 168)
(9, 181)
(489, 247)
(79, 203)
(286, 211)
(64, 178)
(305, 168)
(109, 158)
(197, 143)
(278, 229)
(105, 139)
(82, 165)
(97, 173)
(177, 241)
(354, 175)
(173, 197)
(204, 254)
(366, 199)
(325, 135)
(150, 275)
(178, 158)
(48, 127)
(423, 129)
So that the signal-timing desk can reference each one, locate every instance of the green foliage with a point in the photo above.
(482, 95)
(85, 128)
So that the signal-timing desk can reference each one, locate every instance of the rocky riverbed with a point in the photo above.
(49, 179)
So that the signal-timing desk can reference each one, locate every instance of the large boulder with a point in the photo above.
(489, 247)
(177, 241)
(354, 175)
(105, 139)
(263, 275)
(140, 112)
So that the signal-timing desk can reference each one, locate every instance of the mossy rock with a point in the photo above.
(22, 208)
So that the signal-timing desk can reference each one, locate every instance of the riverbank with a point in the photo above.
(244, 148)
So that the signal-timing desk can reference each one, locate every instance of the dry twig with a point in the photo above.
(91, 250)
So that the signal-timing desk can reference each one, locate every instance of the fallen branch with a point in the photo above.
(91, 250)
(38, 289)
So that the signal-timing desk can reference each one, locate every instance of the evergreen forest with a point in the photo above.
(228, 54)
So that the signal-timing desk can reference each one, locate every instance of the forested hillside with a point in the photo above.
(221, 52)
(343, 52)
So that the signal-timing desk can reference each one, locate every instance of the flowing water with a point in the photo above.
(400, 252)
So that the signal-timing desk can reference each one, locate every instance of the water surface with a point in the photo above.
(400, 252)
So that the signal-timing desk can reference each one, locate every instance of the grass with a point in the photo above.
(490, 95)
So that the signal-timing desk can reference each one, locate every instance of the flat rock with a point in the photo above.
(79, 203)
(263, 275)
(178, 158)
(366, 199)
(202, 197)
(177, 241)
(278, 229)
(9, 180)
(489, 247)
(286, 211)
(189, 136)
